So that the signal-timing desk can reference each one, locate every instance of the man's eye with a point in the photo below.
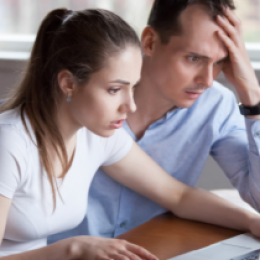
(193, 58)
(220, 62)
(113, 90)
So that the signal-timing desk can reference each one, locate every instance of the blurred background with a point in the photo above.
(24, 16)
(20, 19)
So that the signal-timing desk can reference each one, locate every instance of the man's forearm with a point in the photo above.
(206, 207)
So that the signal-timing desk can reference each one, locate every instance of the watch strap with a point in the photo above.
(249, 111)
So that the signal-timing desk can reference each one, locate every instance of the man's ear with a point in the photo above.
(148, 40)
(65, 81)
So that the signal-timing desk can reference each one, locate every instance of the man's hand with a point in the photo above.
(238, 69)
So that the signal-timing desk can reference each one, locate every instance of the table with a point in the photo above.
(166, 236)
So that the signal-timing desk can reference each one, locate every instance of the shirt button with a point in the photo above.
(257, 134)
(123, 224)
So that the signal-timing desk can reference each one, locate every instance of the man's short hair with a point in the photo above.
(164, 16)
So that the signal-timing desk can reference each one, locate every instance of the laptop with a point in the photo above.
(242, 247)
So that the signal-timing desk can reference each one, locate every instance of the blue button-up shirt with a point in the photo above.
(180, 143)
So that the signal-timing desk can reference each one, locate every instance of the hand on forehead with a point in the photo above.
(199, 32)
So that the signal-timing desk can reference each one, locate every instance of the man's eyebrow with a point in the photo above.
(223, 59)
(120, 81)
(198, 54)
(206, 57)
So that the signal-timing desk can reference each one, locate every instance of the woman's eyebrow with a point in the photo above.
(120, 81)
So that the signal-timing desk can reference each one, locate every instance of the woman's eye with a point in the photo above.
(113, 90)
(134, 87)
(193, 58)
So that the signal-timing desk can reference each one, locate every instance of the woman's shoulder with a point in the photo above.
(12, 128)
(11, 117)
(118, 136)
(110, 149)
(14, 152)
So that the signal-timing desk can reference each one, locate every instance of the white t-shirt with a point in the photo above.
(31, 218)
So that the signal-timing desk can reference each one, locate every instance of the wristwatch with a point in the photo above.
(249, 111)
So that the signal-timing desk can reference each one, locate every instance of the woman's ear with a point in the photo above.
(148, 39)
(66, 83)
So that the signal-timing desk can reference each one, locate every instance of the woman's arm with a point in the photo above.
(140, 173)
(83, 247)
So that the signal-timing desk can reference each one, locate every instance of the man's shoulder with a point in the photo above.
(220, 91)
(217, 96)
(216, 100)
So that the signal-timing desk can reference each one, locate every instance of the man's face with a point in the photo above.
(186, 66)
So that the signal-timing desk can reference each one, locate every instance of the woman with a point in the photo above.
(59, 126)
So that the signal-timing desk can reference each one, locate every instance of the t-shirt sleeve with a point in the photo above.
(117, 147)
(13, 154)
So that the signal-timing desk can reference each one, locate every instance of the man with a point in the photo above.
(183, 115)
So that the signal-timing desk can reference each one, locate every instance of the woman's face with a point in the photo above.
(103, 103)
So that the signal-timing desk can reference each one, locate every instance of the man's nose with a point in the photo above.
(205, 77)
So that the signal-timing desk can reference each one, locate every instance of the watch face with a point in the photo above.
(254, 255)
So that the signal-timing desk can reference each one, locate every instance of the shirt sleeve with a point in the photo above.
(12, 160)
(237, 152)
(117, 147)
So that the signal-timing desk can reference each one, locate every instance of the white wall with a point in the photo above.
(212, 176)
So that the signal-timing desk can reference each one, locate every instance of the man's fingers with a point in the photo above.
(229, 29)
(141, 252)
(227, 41)
(234, 20)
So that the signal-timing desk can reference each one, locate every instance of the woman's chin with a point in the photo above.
(103, 133)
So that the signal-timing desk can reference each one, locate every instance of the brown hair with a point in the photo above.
(164, 16)
(79, 41)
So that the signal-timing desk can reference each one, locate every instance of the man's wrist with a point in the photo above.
(249, 110)
(249, 96)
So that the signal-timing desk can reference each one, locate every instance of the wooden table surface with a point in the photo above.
(167, 236)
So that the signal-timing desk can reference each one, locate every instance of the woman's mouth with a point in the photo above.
(193, 95)
(117, 124)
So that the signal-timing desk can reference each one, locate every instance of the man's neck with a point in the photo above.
(151, 106)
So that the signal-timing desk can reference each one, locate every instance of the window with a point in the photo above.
(249, 13)
(21, 18)
(24, 16)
